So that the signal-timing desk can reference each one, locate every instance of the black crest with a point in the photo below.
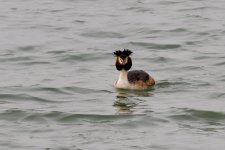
(125, 52)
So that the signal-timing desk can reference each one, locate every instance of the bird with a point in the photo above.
(135, 79)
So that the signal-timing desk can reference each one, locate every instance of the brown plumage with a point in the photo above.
(140, 79)
(143, 84)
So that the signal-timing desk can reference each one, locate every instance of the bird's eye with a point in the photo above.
(126, 60)
(120, 60)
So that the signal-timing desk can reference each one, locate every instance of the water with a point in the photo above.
(57, 71)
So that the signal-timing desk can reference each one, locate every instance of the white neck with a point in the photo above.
(122, 82)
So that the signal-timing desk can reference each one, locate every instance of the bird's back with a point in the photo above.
(139, 79)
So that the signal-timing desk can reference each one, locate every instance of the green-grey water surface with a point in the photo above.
(57, 72)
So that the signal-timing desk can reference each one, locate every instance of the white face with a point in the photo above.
(123, 61)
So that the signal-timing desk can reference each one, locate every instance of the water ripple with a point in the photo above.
(80, 57)
(103, 34)
(198, 115)
(61, 117)
(12, 115)
(25, 97)
(155, 46)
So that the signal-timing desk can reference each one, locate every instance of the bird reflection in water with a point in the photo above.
(127, 100)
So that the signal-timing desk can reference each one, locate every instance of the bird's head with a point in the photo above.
(123, 60)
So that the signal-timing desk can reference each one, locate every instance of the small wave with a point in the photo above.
(81, 90)
(139, 9)
(18, 59)
(220, 64)
(152, 32)
(93, 117)
(25, 97)
(27, 48)
(52, 90)
(192, 68)
(167, 86)
(62, 117)
(103, 34)
(202, 57)
(198, 115)
(79, 21)
(170, 2)
(81, 57)
(12, 115)
(200, 120)
(155, 46)
(192, 43)
(194, 9)
(122, 120)
(161, 59)
(58, 52)
(25, 60)
(178, 30)
(35, 63)
(166, 83)
(217, 95)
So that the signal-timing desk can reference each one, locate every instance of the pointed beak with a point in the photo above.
(123, 62)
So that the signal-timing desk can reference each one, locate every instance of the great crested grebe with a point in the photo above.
(135, 79)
